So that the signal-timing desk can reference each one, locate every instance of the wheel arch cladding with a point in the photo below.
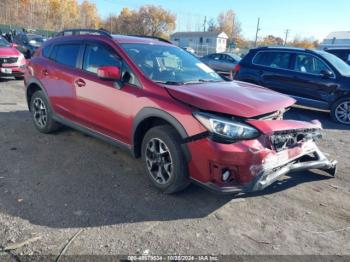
(151, 117)
(32, 87)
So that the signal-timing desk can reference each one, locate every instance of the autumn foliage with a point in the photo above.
(49, 14)
(56, 15)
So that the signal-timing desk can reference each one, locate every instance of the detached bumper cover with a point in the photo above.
(278, 165)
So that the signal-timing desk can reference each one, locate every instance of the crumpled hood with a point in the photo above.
(234, 98)
(8, 51)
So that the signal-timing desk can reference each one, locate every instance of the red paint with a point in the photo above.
(232, 98)
(270, 126)
(17, 67)
(109, 72)
(100, 106)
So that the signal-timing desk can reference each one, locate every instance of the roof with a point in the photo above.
(138, 40)
(337, 48)
(281, 48)
(120, 39)
(200, 34)
(339, 35)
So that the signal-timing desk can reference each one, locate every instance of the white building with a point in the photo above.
(202, 42)
(336, 39)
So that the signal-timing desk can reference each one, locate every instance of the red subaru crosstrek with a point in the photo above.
(12, 62)
(165, 106)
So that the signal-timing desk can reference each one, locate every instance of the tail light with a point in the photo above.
(235, 71)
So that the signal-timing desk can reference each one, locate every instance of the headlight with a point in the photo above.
(226, 130)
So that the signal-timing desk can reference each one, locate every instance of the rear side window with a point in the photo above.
(66, 54)
(273, 59)
(215, 56)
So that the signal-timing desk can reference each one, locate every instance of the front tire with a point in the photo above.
(340, 111)
(42, 113)
(164, 160)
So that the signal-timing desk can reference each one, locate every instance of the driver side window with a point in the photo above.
(97, 55)
(309, 64)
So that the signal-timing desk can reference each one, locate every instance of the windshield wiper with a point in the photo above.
(169, 82)
(199, 81)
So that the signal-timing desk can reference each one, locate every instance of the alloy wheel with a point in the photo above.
(39, 112)
(342, 112)
(159, 161)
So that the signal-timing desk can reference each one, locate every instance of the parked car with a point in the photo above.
(28, 43)
(166, 107)
(221, 62)
(12, 62)
(314, 78)
(189, 49)
(342, 53)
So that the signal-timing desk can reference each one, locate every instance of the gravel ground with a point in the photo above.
(54, 186)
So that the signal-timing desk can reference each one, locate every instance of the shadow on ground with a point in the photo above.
(70, 180)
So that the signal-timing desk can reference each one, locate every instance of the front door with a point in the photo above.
(101, 105)
(308, 81)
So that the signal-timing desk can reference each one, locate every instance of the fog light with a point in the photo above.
(226, 175)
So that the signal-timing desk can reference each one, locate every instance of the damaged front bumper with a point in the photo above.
(275, 167)
(265, 164)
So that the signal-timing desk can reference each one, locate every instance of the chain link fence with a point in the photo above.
(45, 33)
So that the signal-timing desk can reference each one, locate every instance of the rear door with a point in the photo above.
(59, 78)
(102, 106)
(273, 70)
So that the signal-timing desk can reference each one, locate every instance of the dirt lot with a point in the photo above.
(53, 186)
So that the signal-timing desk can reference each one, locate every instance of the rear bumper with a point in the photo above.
(274, 166)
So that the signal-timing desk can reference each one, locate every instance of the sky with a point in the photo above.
(304, 18)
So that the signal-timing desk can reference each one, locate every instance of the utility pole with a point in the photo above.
(110, 23)
(233, 29)
(205, 24)
(257, 32)
(286, 38)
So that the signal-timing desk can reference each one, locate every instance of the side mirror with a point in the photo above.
(111, 73)
(327, 74)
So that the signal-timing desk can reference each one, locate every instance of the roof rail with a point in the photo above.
(153, 37)
(79, 31)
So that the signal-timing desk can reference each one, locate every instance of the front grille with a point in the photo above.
(8, 60)
(282, 140)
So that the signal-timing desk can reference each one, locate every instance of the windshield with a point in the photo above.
(3, 42)
(170, 64)
(340, 65)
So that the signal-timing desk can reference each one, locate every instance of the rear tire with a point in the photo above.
(340, 111)
(164, 160)
(42, 113)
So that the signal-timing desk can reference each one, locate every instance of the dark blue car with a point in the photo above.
(314, 78)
